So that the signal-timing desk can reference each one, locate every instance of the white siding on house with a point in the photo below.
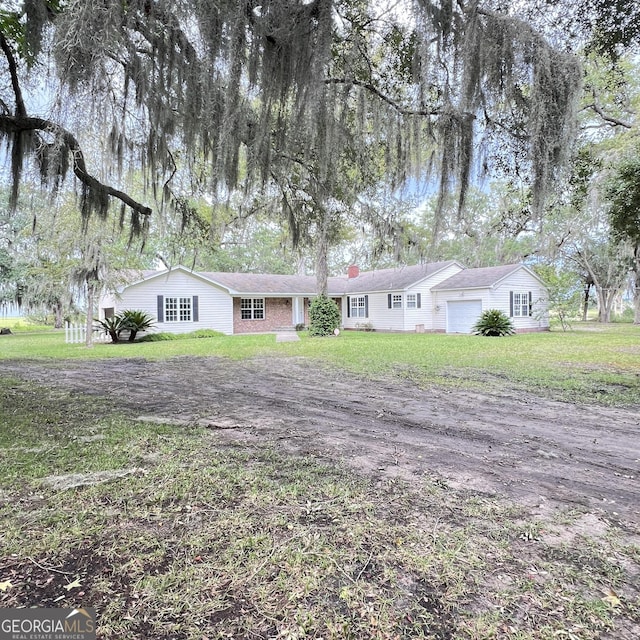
(215, 306)
(426, 314)
(107, 301)
(439, 316)
(353, 322)
(414, 317)
(498, 297)
(522, 282)
(382, 318)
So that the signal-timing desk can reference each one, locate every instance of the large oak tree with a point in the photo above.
(331, 95)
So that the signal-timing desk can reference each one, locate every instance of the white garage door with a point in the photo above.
(462, 315)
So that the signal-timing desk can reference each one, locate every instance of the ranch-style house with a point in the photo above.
(432, 297)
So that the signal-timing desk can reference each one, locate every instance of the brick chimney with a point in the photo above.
(353, 271)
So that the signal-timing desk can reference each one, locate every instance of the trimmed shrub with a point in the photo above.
(324, 316)
(204, 333)
(493, 322)
(158, 337)
(200, 333)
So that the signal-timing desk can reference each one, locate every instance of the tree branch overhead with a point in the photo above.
(249, 85)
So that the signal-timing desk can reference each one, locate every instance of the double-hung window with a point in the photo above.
(252, 308)
(358, 307)
(177, 308)
(184, 309)
(521, 304)
(396, 301)
(412, 301)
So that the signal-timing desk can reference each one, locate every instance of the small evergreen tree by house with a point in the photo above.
(493, 322)
(324, 316)
(135, 320)
(130, 320)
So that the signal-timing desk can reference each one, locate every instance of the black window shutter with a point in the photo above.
(511, 304)
(530, 303)
(389, 301)
(196, 310)
(348, 307)
(366, 306)
(160, 309)
(419, 301)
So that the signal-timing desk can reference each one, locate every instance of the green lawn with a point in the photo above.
(590, 363)
(205, 539)
(209, 538)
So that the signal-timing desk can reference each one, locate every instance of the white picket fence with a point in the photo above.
(77, 334)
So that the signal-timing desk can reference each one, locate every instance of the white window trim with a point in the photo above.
(358, 307)
(520, 307)
(253, 308)
(412, 301)
(396, 301)
(176, 311)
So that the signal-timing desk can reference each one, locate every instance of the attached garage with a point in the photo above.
(462, 315)
(514, 289)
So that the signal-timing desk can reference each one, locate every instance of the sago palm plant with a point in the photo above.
(493, 322)
(131, 320)
(135, 320)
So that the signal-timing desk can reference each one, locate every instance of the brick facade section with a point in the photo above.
(277, 313)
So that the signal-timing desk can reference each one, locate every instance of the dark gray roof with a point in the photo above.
(394, 279)
(379, 280)
(263, 283)
(477, 278)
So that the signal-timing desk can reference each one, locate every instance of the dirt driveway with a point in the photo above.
(542, 453)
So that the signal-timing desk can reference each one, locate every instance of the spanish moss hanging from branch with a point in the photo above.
(335, 96)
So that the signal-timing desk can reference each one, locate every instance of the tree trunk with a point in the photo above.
(636, 284)
(58, 322)
(606, 298)
(322, 266)
(300, 267)
(585, 304)
(91, 290)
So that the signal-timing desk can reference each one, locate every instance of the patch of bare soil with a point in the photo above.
(75, 480)
(542, 453)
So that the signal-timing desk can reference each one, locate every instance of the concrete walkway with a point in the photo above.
(287, 335)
